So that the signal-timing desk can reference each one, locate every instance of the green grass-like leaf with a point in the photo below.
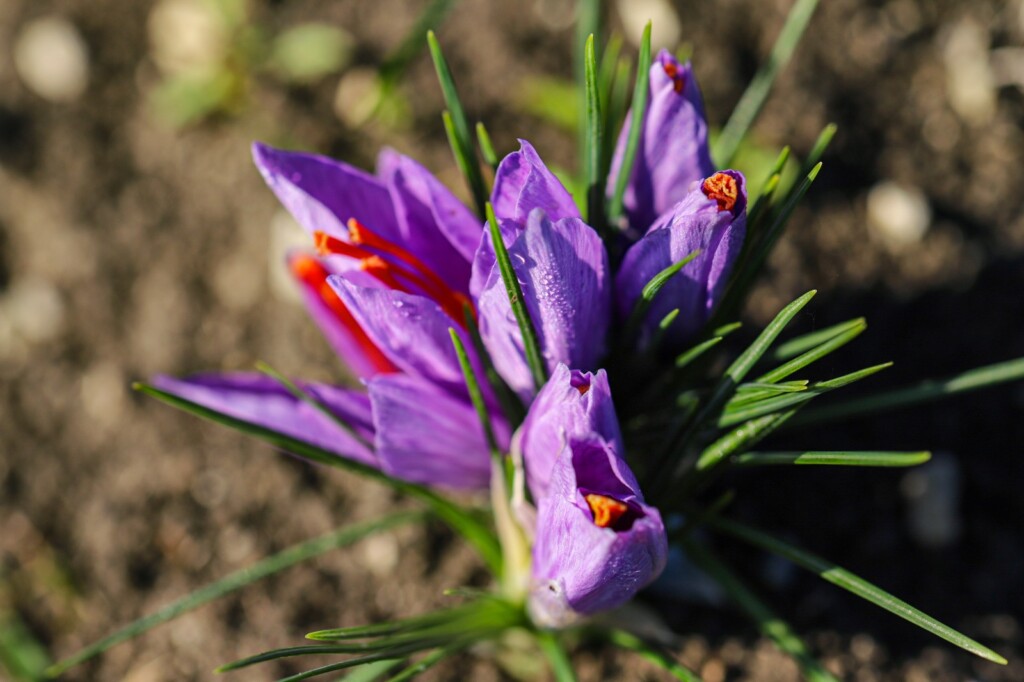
(476, 396)
(462, 521)
(928, 391)
(651, 653)
(805, 342)
(483, 139)
(235, 581)
(459, 135)
(736, 415)
(770, 625)
(594, 140)
(753, 98)
(531, 342)
(639, 105)
(833, 458)
(21, 654)
(813, 355)
(848, 581)
(561, 666)
(650, 292)
(741, 438)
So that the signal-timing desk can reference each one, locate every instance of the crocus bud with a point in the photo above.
(572, 404)
(673, 151)
(712, 218)
(597, 543)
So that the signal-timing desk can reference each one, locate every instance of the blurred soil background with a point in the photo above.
(137, 238)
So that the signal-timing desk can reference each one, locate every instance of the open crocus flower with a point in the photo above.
(596, 542)
(711, 218)
(392, 278)
(562, 267)
(673, 152)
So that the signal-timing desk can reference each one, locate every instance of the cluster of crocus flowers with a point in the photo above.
(398, 261)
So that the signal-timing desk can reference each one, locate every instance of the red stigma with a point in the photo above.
(607, 511)
(395, 267)
(313, 275)
(676, 74)
(723, 188)
(583, 388)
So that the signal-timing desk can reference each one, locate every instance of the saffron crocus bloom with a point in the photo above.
(392, 278)
(597, 543)
(712, 217)
(572, 404)
(561, 265)
(673, 151)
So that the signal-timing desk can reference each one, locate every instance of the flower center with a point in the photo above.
(676, 74)
(313, 275)
(723, 188)
(607, 511)
(395, 267)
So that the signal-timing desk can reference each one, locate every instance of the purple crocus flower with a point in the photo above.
(673, 151)
(392, 278)
(597, 542)
(562, 267)
(712, 218)
(572, 404)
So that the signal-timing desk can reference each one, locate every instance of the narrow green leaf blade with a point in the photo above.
(770, 625)
(561, 666)
(742, 437)
(235, 581)
(462, 142)
(651, 653)
(483, 138)
(594, 140)
(928, 391)
(639, 105)
(461, 520)
(853, 458)
(800, 362)
(805, 342)
(476, 396)
(531, 342)
(753, 98)
(848, 581)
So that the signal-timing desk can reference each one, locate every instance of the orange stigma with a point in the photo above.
(675, 73)
(607, 511)
(723, 188)
(394, 266)
(313, 275)
(583, 388)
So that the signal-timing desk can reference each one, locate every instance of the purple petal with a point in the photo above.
(580, 568)
(523, 183)
(323, 193)
(673, 151)
(563, 270)
(695, 223)
(426, 436)
(572, 405)
(411, 331)
(435, 225)
(261, 400)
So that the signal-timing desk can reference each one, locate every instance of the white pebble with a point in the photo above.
(932, 492)
(285, 235)
(665, 27)
(969, 80)
(52, 59)
(34, 309)
(899, 216)
(185, 35)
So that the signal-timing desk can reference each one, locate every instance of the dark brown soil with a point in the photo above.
(147, 250)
